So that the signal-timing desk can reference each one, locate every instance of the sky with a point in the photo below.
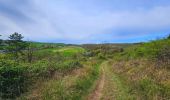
(85, 21)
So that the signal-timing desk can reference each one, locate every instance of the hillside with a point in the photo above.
(88, 72)
(144, 71)
(84, 49)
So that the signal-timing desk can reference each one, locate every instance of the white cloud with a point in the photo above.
(54, 21)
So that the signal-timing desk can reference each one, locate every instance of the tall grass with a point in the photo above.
(16, 79)
(145, 68)
(73, 87)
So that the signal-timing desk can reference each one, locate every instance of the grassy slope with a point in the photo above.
(145, 50)
(39, 44)
(130, 75)
(72, 87)
(73, 84)
(70, 50)
(137, 66)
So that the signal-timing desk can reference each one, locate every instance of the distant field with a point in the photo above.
(70, 50)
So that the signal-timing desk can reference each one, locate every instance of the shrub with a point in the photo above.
(11, 79)
(148, 87)
(42, 68)
(163, 57)
(69, 65)
(168, 37)
(101, 56)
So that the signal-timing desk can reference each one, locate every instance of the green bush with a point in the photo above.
(149, 88)
(168, 37)
(163, 57)
(82, 85)
(45, 68)
(11, 79)
(148, 50)
(69, 65)
(42, 68)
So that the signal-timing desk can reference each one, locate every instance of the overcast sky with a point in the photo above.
(85, 21)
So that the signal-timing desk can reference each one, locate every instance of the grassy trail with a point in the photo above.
(110, 86)
(97, 93)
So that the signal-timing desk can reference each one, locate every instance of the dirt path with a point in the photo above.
(97, 93)
(109, 86)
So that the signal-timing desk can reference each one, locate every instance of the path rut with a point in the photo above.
(97, 93)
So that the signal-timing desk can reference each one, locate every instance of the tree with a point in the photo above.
(16, 45)
(12, 79)
(168, 36)
(30, 51)
(0, 41)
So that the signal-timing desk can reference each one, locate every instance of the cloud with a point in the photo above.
(57, 20)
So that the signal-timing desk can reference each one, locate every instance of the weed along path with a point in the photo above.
(81, 84)
(109, 86)
(97, 93)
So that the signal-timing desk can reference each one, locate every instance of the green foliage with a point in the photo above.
(12, 79)
(41, 68)
(30, 51)
(79, 86)
(45, 68)
(145, 67)
(45, 59)
(41, 45)
(145, 50)
(84, 83)
(1, 46)
(163, 57)
(70, 51)
(43, 54)
(101, 56)
(0, 41)
(15, 46)
(168, 37)
(150, 89)
(69, 65)
(16, 37)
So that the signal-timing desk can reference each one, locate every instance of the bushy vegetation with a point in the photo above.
(145, 50)
(103, 51)
(145, 67)
(71, 87)
(26, 63)
(47, 71)
(12, 79)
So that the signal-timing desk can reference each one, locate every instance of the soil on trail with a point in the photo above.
(97, 93)
(109, 86)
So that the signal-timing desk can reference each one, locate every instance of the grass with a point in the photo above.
(133, 73)
(45, 65)
(145, 70)
(70, 51)
(115, 86)
(140, 68)
(146, 50)
(70, 80)
(144, 79)
(72, 87)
